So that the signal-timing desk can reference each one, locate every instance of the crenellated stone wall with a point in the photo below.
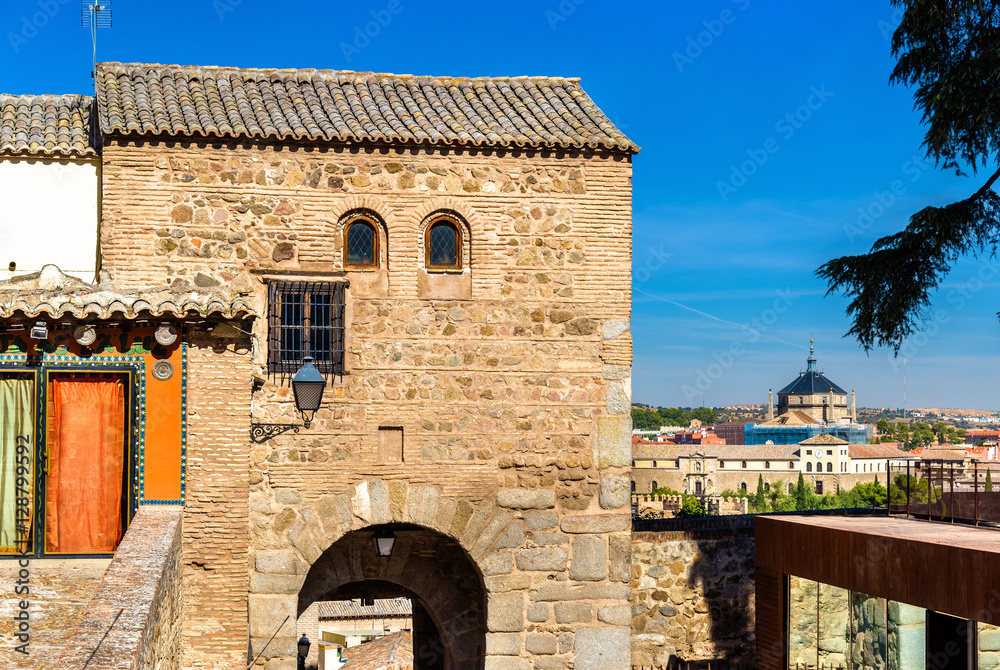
(509, 380)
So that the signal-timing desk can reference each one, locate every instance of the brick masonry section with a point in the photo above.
(133, 621)
(214, 553)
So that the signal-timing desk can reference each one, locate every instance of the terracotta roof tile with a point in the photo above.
(46, 125)
(824, 438)
(794, 417)
(350, 609)
(727, 452)
(877, 451)
(345, 106)
(390, 652)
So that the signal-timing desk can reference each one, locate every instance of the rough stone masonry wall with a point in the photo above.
(989, 647)
(513, 376)
(692, 595)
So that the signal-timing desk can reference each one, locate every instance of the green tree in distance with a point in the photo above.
(903, 435)
(691, 506)
(869, 494)
(950, 51)
(760, 500)
(922, 435)
(652, 419)
(804, 496)
(989, 482)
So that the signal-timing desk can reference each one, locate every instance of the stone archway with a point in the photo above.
(427, 566)
(306, 533)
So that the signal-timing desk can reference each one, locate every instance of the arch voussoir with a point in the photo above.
(480, 517)
(494, 527)
(445, 515)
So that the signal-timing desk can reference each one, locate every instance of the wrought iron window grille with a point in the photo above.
(305, 318)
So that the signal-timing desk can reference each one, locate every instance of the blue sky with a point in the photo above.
(771, 140)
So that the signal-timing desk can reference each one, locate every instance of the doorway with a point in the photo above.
(430, 570)
(66, 448)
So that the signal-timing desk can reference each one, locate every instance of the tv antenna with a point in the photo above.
(95, 14)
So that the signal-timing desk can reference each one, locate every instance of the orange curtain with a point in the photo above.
(86, 454)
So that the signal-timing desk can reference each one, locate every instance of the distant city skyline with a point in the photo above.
(771, 140)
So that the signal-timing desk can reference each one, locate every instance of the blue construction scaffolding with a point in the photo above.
(853, 433)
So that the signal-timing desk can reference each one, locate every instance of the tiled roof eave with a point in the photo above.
(55, 154)
(364, 141)
(47, 126)
(105, 305)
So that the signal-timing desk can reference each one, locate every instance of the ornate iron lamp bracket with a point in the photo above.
(262, 432)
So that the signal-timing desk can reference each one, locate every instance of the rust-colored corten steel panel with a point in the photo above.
(943, 567)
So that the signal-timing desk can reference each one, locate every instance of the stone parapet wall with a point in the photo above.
(692, 595)
(133, 621)
(161, 641)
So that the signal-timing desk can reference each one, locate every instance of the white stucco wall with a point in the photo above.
(48, 214)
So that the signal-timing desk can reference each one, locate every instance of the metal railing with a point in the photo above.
(674, 663)
(945, 491)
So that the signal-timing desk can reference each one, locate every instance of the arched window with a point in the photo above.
(697, 466)
(791, 465)
(767, 465)
(443, 245)
(767, 486)
(360, 243)
(722, 464)
(743, 486)
(743, 464)
(809, 467)
(654, 464)
(829, 467)
(653, 486)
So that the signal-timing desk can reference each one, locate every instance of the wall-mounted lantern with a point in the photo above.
(308, 385)
(384, 539)
(39, 331)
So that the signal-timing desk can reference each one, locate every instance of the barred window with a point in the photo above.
(305, 319)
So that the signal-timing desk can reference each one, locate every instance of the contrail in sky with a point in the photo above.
(715, 318)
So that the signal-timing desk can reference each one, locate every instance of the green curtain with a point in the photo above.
(17, 447)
